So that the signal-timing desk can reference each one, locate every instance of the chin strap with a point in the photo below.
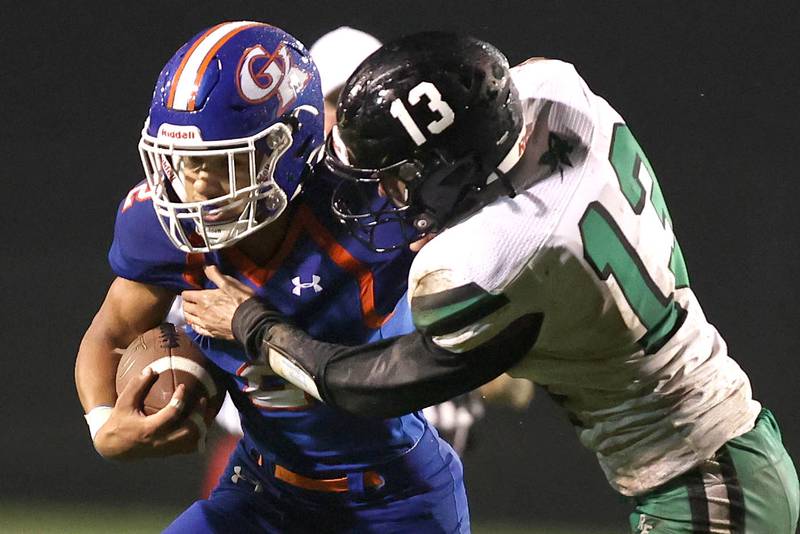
(506, 183)
(500, 174)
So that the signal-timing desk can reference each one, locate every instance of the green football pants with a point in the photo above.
(750, 486)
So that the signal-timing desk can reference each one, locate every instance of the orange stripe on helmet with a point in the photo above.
(185, 59)
(210, 55)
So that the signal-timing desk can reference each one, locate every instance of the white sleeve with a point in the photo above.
(456, 312)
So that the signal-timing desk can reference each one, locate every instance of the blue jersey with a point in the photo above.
(400, 323)
(324, 281)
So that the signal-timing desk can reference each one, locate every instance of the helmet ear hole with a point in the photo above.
(410, 171)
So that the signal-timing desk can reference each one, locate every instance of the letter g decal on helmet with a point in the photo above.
(263, 75)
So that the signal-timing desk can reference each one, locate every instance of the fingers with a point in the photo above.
(190, 436)
(212, 315)
(194, 296)
(210, 311)
(190, 308)
(240, 286)
(194, 316)
(213, 273)
(169, 413)
(201, 326)
(189, 296)
(182, 440)
(225, 282)
(200, 330)
(135, 391)
(200, 303)
(169, 431)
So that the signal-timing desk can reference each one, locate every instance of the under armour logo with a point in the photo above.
(300, 286)
(237, 476)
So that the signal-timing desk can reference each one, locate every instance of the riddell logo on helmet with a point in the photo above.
(179, 133)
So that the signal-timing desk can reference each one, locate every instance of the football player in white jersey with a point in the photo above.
(337, 54)
(548, 252)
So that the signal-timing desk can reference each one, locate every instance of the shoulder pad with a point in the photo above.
(549, 79)
(141, 251)
(548, 83)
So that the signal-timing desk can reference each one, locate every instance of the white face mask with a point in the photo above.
(245, 201)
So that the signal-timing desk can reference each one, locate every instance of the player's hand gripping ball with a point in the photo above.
(170, 353)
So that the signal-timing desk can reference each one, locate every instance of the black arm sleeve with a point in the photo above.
(250, 322)
(391, 377)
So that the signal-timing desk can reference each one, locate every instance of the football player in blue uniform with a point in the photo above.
(234, 121)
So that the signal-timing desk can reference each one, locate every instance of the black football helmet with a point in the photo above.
(433, 119)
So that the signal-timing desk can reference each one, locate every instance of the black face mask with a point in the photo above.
(372, 219)
(415, 199)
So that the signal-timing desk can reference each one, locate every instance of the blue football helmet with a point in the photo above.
(244, 93)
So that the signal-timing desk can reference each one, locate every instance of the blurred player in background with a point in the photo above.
(546, 247)
(235, 119)
(337, 54)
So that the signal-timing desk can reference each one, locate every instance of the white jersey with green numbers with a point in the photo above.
(624, 345)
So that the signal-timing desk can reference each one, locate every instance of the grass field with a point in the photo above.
(49, 518)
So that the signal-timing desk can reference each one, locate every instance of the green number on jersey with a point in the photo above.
(609, 252)
(627, 157)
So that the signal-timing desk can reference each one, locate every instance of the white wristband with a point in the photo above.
(96, 418)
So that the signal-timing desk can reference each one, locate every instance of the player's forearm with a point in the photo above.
(129, 309)
(384, 379)
(95, 372)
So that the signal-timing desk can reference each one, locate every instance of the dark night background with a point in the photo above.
(709, 88)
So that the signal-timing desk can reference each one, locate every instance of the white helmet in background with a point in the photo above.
(338, 53)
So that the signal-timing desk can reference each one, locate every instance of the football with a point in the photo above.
(170, 353)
